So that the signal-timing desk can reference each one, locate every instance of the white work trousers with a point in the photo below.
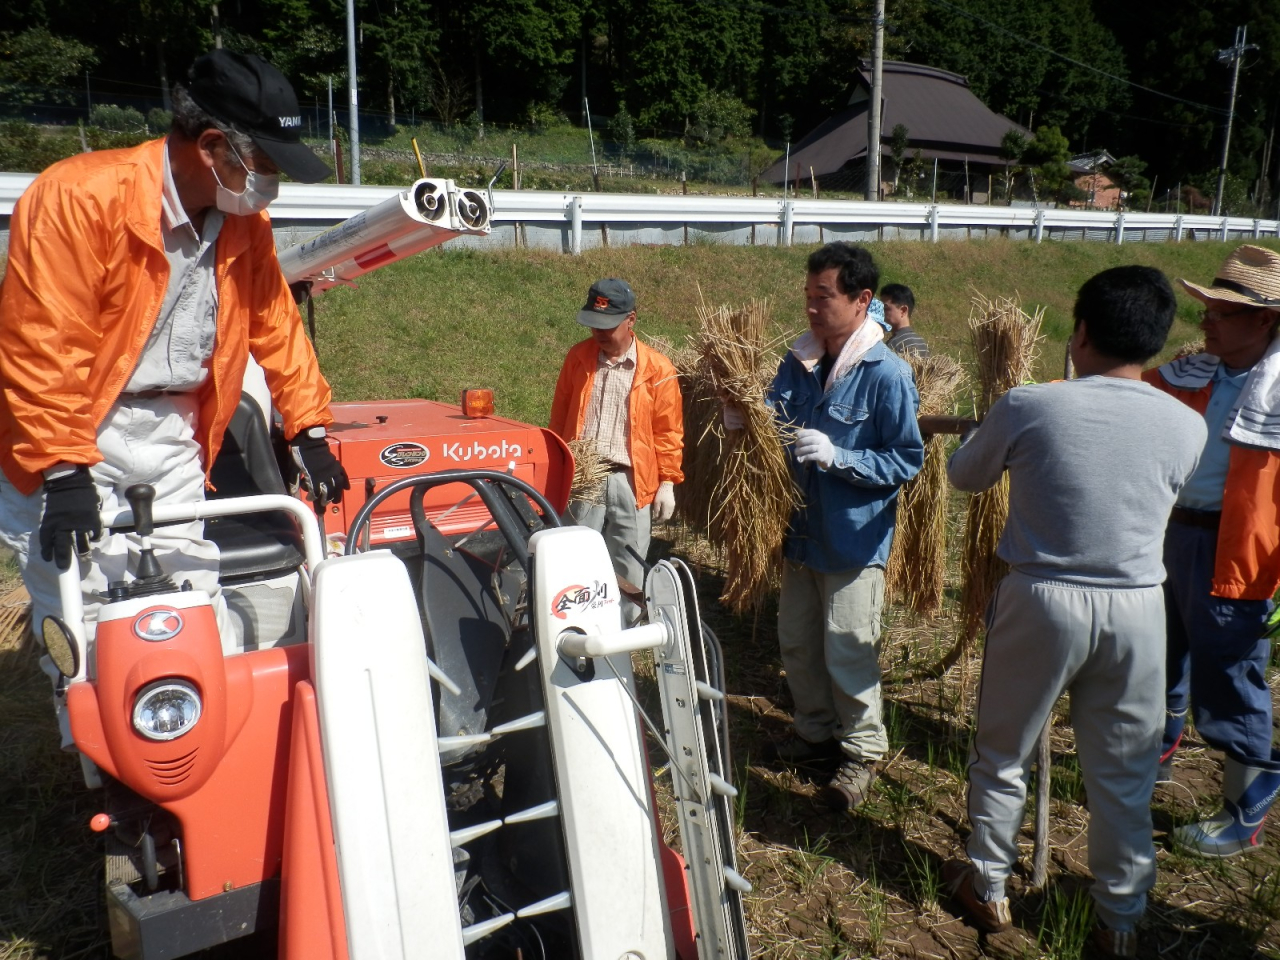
(625, 528)
(1106, 648)
(142, 441)
(829, 634)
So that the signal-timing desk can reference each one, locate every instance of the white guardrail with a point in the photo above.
(575, 221)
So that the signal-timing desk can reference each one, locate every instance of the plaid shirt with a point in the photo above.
(607, 422)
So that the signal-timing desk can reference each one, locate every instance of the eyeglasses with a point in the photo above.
(1216, 316)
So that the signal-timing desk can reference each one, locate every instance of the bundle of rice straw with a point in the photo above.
(1190, 348)
(589, 472)
(1004, 341)
(737, 486)
(916, 571)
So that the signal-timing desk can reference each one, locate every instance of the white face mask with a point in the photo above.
(259, 190)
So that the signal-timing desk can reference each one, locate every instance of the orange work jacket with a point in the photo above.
(86, 279)
(1247, 563)
(655, 440)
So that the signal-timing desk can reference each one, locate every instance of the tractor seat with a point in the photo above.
(257, 546)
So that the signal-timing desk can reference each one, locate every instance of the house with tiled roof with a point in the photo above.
(945, 121)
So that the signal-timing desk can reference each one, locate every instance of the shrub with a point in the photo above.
(622, 129)
(720, 116)
(158, 120)
(25, 148)
(542, 116)
(108, 116)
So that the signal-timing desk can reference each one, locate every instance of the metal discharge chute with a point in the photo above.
(423, 216)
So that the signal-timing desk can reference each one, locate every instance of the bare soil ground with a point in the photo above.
(826, 885)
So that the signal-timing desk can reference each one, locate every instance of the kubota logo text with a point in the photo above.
(462, 452)
(579, 597)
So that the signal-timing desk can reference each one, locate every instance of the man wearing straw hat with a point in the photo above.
(1094, 465)
(852, 404)
(1222, 548)
(625, 396)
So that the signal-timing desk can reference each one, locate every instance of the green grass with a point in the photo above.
(1065, 924)
(449, 319)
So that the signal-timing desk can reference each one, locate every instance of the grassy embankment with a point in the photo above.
(445, 320)
(825, 886)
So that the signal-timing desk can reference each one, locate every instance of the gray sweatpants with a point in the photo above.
(625, 529)
(829, 635)
(1106, 648)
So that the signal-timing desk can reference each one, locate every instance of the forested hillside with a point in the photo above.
(1137, 77)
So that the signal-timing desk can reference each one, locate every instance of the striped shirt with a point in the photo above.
(606, 421)
(906, 342)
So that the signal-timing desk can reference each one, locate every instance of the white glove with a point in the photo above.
(732, 416)
(814, 446)
(664, 504)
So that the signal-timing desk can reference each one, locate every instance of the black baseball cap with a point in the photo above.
(253, 96)
(608, 303)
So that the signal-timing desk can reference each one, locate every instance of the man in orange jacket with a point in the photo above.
(625, 396)
(1222, 548)
(139, 283)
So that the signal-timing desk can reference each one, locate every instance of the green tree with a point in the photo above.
(622, 129)
(36, 66)
(524, 44)
(718, 117)
(1047, 152)
(670, 54)
(1126, 173)
(399, 36)
(1023, 58)
(306, 41)
(898, 140)
(1013, 146)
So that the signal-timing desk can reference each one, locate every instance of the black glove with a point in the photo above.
(70, 518)
(321, 473)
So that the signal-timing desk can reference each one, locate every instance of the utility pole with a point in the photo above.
(1233, 55)
(355, 100)
(873, 113)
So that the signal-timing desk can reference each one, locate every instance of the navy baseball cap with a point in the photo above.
(608, 303)
(254, 97)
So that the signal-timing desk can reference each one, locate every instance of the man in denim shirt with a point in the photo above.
(851, 404)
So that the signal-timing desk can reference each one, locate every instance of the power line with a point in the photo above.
(1062, 56)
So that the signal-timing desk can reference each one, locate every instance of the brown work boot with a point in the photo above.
(991, 916)
(1115, 943)
(851, 785)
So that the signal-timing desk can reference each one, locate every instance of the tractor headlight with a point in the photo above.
(166, 710)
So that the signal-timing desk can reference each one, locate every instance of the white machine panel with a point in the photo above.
(609, 821)
(395, 859)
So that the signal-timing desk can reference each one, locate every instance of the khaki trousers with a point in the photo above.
(829, 632)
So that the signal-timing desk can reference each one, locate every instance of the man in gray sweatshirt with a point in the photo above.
(1094, 466)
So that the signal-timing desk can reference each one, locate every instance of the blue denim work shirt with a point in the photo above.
(847, 517)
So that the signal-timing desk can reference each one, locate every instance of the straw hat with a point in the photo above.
(1251, 275)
